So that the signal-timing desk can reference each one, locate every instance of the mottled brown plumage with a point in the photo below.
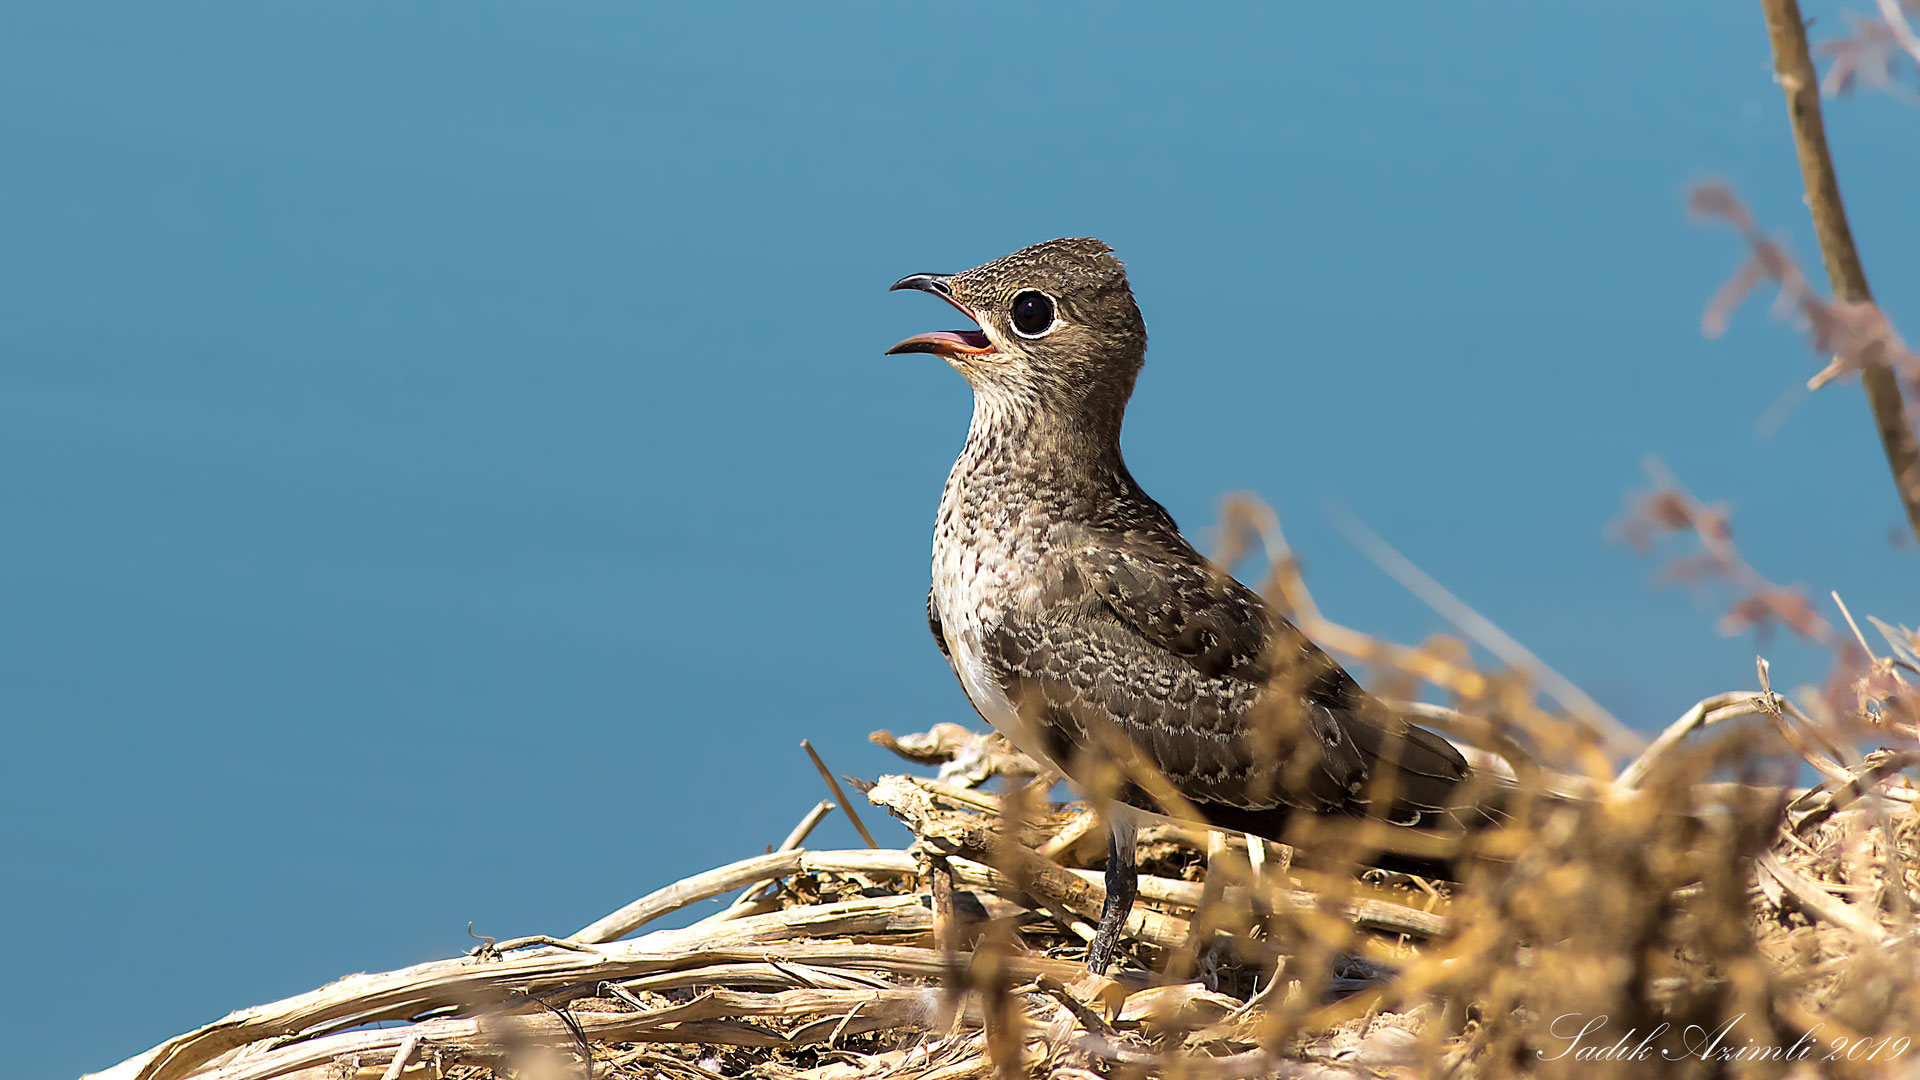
(1084, 626)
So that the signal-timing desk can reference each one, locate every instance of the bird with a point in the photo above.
(1086, 629)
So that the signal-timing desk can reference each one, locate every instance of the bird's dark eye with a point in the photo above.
(1032, 313)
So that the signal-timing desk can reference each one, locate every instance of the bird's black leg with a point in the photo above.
(1123, 884)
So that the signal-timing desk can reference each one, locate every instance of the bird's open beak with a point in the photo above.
(950, 344)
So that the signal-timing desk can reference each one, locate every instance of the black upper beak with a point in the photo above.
(933, 283)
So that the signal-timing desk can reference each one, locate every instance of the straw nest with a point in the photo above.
(1698, 912)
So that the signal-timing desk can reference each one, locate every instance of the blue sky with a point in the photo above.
(451, 463)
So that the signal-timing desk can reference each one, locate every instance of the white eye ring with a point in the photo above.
(1032, 314)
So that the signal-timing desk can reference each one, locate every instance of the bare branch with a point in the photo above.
(1793, 69)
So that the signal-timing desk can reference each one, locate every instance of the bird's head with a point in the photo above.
(1057, 327)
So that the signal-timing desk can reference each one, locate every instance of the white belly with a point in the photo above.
(969, 584)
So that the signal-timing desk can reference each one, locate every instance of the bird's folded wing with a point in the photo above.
(1190, 617)
(1095, 689)
(1193, 609)
(1427, 771)
(1182, 603)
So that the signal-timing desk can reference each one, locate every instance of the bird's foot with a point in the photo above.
(1123, 884)
(1104, 949)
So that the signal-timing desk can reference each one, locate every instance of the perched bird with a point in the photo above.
(1085, 628)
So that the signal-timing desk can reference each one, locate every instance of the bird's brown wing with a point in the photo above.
(1125, 648)
(1175, 598)
(1234, 703)
(1183, 604)
(1097, 692)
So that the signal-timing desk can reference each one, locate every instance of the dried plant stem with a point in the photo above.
(720, 1015)
(400, 1057)
(744, 903)
(1793, 68)
(1082, 892)
(1616, 735)
(1815, 898)
(838, 795)
(358, 1000)
(620, 923)
(1712, 710)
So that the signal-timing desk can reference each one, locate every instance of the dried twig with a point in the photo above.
(744, 903)
(1616, 735)
(1793, 69)
(1818, 900)
(402, 1055)
(839, 796)
(1704, 713)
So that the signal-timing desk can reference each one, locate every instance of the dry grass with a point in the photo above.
(1688, 911)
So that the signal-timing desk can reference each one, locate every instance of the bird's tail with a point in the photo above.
(1433, 799)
